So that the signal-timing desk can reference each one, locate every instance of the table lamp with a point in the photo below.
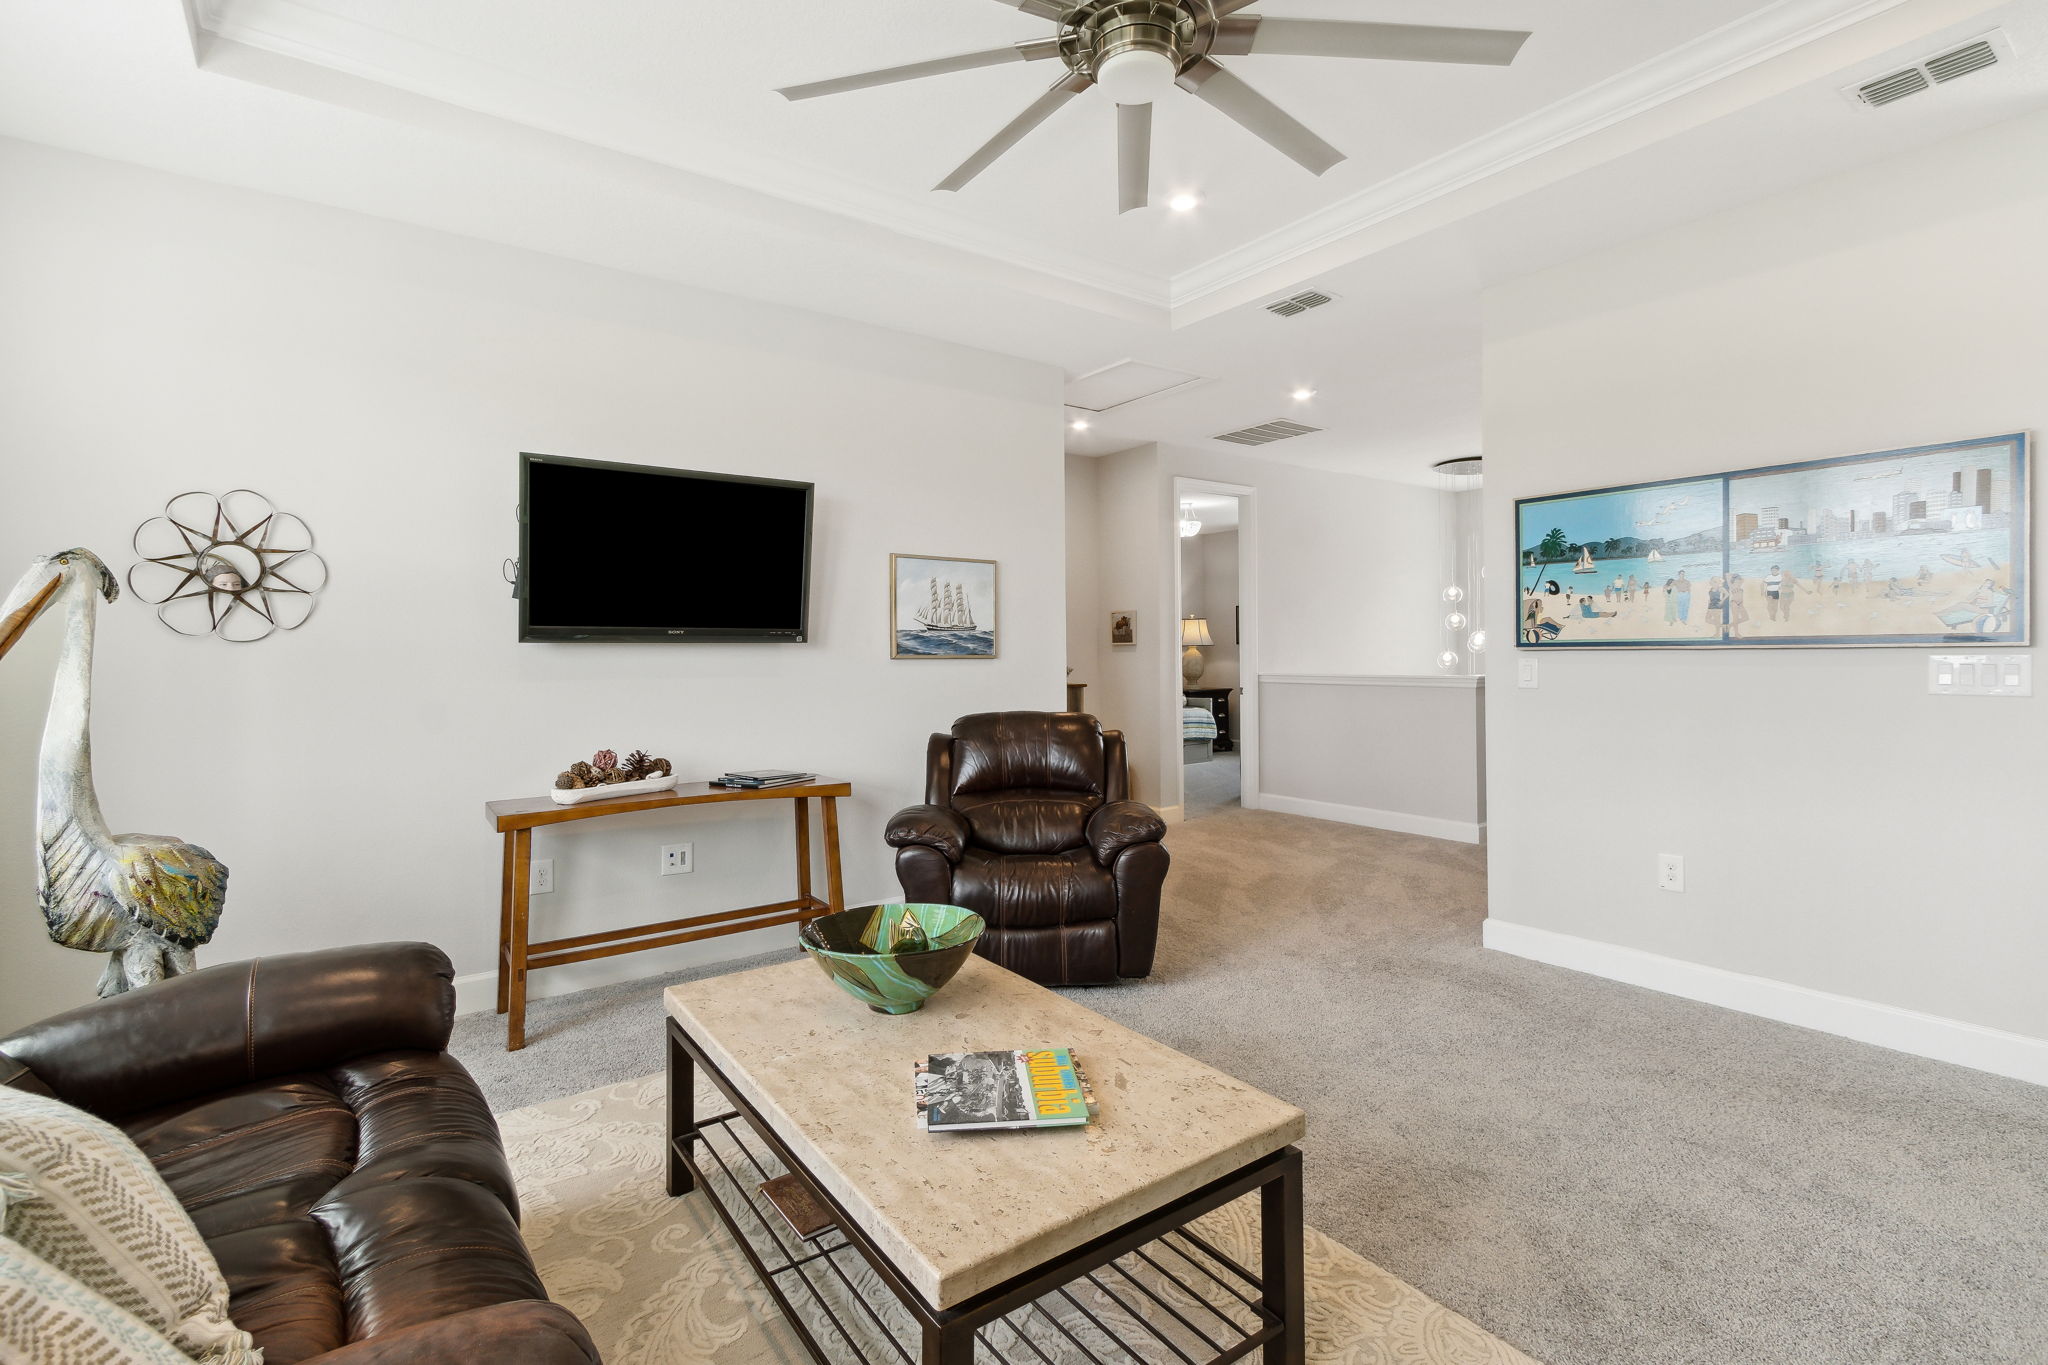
(1194, 633)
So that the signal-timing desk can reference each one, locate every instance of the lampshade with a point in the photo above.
(1195, 631)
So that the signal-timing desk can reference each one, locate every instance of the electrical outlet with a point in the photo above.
(543, 877)
(677, 858)
(1670, 872)
(1527, 677)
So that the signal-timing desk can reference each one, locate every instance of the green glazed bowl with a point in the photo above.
(892, 958)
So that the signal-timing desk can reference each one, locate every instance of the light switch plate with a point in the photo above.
(1526, 674)
(1981, 675)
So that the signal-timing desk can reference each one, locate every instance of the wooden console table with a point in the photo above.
(518, 819)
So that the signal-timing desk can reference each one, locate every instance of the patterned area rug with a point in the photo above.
(659, 1280)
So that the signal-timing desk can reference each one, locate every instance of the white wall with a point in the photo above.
(1087, 633)
(161, 335)
(1192, 573)
(1401, 753)
(1134, 543)
(1346, 584)
(1216, 552)
(1844, 832)
(1347, 565)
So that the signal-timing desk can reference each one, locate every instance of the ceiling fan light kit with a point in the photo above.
(1139, 51)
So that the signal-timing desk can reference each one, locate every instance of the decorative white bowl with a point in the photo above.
(578, 795)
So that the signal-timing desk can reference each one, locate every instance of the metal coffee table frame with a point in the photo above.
(1177, 1299)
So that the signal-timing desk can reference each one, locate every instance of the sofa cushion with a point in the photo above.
(98, 1211)
(288, 1179)
(1004, 750)
(49, 1318)
(1035, 890)
(1028, 821)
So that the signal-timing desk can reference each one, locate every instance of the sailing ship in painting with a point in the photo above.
(948, 609)
(943, 608)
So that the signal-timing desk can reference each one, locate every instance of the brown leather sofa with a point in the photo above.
(1027, 823)
(343, 1167)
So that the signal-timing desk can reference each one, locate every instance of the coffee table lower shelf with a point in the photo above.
(1153, 1292)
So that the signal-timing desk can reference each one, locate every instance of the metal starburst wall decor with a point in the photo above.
(231, 566)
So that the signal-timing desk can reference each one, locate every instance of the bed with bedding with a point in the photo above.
(1197, 733)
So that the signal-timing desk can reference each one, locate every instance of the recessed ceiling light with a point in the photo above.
(1303, 395)
(1183, 203)
(1080, 425)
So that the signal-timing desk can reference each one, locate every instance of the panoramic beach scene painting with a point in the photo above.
(1923, 546)
(942, 608)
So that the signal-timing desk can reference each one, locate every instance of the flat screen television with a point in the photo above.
(635, 552)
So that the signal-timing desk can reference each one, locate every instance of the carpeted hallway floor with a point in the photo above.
(1212, 787)
(1599, 1174)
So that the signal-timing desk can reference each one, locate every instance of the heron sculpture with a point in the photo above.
(146, 899)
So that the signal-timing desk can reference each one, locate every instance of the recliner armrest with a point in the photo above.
(1120, 824)
(939, 827)
(244, 1021)
(520, 1332)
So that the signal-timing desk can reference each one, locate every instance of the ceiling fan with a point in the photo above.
(1138, 51)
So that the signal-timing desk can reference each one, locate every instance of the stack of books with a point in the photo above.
(769, 777)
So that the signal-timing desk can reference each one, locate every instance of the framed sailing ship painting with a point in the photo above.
(1928, 545)
(941, 608)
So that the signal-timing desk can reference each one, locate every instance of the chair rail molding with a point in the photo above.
(1463, 680)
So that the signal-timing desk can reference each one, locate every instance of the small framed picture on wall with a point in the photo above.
(942, 608)
(1123, 627)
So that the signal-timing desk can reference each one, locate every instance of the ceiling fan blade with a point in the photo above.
(1133, 156)
(1386, 42)
(1044, 9)
(1218, 88)
(1038, 49)
(1042, 108)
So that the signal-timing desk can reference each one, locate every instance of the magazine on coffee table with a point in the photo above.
(1025, 1088)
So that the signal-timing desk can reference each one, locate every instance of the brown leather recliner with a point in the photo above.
(1027, 824)
(343, 1168)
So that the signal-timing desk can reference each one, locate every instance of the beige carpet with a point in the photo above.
(658, 1280)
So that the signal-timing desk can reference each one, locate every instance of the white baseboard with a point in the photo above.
(1463, 831)
(1866, 1021)
(1172, 815)
(478, 991)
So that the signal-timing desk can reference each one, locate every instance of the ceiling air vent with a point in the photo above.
(1961, 62)
(1896, 86)
(1279, 429)
(1298, 303)
(1928, 72)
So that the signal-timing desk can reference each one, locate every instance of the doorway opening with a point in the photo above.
(1215, 684)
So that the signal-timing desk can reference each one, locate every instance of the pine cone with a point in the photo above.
(604, 760)
(637, 764)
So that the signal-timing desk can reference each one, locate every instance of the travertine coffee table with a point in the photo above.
(1021, 1247)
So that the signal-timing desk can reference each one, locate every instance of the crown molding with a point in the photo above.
(299, 31)
(1515, 159)
(1783, 28)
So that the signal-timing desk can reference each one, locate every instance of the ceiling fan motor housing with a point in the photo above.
(1097, 35)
